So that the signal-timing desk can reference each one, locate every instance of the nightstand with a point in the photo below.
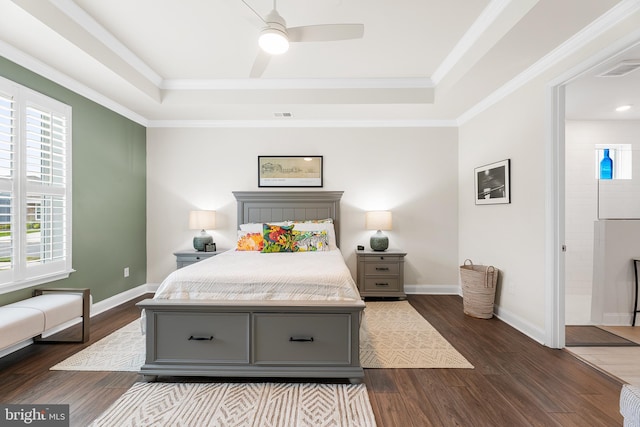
(381, 274)
(188, 257)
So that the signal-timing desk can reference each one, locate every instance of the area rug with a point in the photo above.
(240, 404)
(593, 336)
(394, 335)
(123, 350)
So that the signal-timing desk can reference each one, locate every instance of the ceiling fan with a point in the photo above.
(275, 37)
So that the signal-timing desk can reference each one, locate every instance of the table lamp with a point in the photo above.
(378, 220)
(202, 220)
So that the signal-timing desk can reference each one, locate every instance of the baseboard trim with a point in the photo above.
(432, 289)
(121, 298)
(516, 322)
(617, 319)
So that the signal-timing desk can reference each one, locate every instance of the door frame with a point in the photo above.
(555, 188)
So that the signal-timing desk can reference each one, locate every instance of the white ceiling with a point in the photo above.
(420, 61)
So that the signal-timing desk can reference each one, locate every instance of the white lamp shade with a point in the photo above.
(273, 41)
(378, 220)
(202, 220)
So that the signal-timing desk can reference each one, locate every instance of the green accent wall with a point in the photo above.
(109, 193)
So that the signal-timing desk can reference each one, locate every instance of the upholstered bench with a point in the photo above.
(48, 309)
(630, 405)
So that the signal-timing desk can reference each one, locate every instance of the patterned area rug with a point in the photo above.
(394, 335)
(241, 404)
(122, 350)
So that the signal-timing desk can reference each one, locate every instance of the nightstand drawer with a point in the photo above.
(381, 268)
(383, 258)
(202, 337)
(381, 274)
(382, 284)
(302, 339)
(185, 258)
(190, 258)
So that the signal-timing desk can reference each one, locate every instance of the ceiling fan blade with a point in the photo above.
(260, 64)
(325, 33)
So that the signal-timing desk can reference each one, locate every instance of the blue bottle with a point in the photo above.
(606, 166)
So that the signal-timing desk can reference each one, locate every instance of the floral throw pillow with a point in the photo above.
(249, 241)
(311, 241)
(278, 238)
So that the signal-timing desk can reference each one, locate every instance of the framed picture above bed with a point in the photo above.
(290, 171)
(493, 183)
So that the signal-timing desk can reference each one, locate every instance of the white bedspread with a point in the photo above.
(239, 275)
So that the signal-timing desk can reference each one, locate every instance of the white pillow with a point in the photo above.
(256, 227)
(319, 226)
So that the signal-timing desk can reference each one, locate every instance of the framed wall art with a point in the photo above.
(290, 171)
(493, 183)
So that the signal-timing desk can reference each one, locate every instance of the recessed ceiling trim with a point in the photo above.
(473, 34)
(301, 123)
(90, 25)
(252, 84)
(30, 63)
(608, 20)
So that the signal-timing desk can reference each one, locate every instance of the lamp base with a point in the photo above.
(201, 240)
(379, 242)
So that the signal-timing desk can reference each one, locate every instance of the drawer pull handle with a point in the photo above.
(382, 268)
(382, 284)
(209, 338)
(301, 339)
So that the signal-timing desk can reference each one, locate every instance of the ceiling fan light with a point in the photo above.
(273, 41)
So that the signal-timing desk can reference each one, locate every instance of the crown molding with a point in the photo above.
(286, 123)
(605, 22)
(268, 84)
(473, 34)
(36, 66)
(90, 25)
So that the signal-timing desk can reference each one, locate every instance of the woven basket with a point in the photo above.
(478, 289)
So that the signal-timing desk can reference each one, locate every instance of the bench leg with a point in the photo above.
(86, 312)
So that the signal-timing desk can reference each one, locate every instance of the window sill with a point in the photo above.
(34, 281)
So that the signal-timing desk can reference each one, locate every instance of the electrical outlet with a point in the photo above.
(126, 272)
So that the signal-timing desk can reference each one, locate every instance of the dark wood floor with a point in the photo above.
(516, 382)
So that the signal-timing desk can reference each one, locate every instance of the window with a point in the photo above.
(35, 188)
(621, 158)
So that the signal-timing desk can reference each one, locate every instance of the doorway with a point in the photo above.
(560, 292)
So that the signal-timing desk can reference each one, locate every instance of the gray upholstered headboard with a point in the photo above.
(272, 206)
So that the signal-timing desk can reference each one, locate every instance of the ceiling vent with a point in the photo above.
(287, 115)
(622, 69)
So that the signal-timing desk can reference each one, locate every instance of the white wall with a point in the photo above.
(513, 237)
(509, 237)
(412, 172)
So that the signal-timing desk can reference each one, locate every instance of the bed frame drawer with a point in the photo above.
(202, 337)
(290, 339)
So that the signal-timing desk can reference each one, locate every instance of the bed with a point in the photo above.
(206, 320)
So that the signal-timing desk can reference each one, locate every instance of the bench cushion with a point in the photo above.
(57, 308)
(18, 324)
